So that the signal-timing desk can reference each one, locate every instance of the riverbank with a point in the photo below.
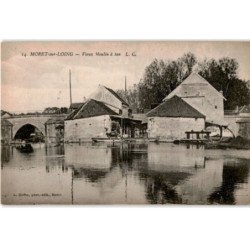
(232, 143)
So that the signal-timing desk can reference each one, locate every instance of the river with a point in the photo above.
(129, 173)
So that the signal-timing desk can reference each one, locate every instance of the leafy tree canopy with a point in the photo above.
(162, 77)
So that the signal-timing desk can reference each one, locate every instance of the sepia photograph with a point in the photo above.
(125, 122)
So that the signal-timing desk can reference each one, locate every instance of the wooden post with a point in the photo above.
(70, 93)
(208, 135)
(197, 135)
(122, 127)
(221, 128)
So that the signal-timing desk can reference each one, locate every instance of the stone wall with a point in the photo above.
(244, 130)
(36, 121)
(171, 128)
(53, 134)
(204, 98)
(86, 128)
(6, 134)
(211, 106)
(231, 121)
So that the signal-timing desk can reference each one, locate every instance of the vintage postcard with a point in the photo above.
(147, 122)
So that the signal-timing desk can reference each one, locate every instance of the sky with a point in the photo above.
(32, 82)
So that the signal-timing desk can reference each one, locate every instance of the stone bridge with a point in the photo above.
(37, 121)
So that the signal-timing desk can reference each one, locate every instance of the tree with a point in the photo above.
(238, 94)
(130, 96)
(55, 110)
(222, 74)
(162, 77)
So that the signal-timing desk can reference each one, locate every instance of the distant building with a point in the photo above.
(6, 131)
(201, 95)
(238, 121)
(243, 122)
(245, 111)
(244, 127)
(171, 119)
(5, 114)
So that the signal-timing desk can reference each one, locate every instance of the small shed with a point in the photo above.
(171, 119)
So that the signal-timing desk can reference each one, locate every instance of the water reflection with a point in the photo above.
(234, 173)
(55, 160)
(26, 148)
(6, 153)
(124, 173)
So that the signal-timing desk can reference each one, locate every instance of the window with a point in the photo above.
(215, 106)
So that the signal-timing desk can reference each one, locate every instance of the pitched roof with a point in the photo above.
(193, 79)
(245, 109)
(116, 95)
(3, 112)
(76, 105)
(175, 107)
(72, 114)
(90, 109)
(141, 117)
(56, 120)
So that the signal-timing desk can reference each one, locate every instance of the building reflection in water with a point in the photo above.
(55, 160)
(234, 173)
(101, 173)
(97, 173)
(35, 178)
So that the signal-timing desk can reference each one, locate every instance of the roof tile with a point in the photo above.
(175, 107)
(90, 109)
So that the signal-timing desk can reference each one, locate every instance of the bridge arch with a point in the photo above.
(25, 131)
(36, 122)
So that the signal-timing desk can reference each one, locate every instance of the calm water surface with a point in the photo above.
(124, 174)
